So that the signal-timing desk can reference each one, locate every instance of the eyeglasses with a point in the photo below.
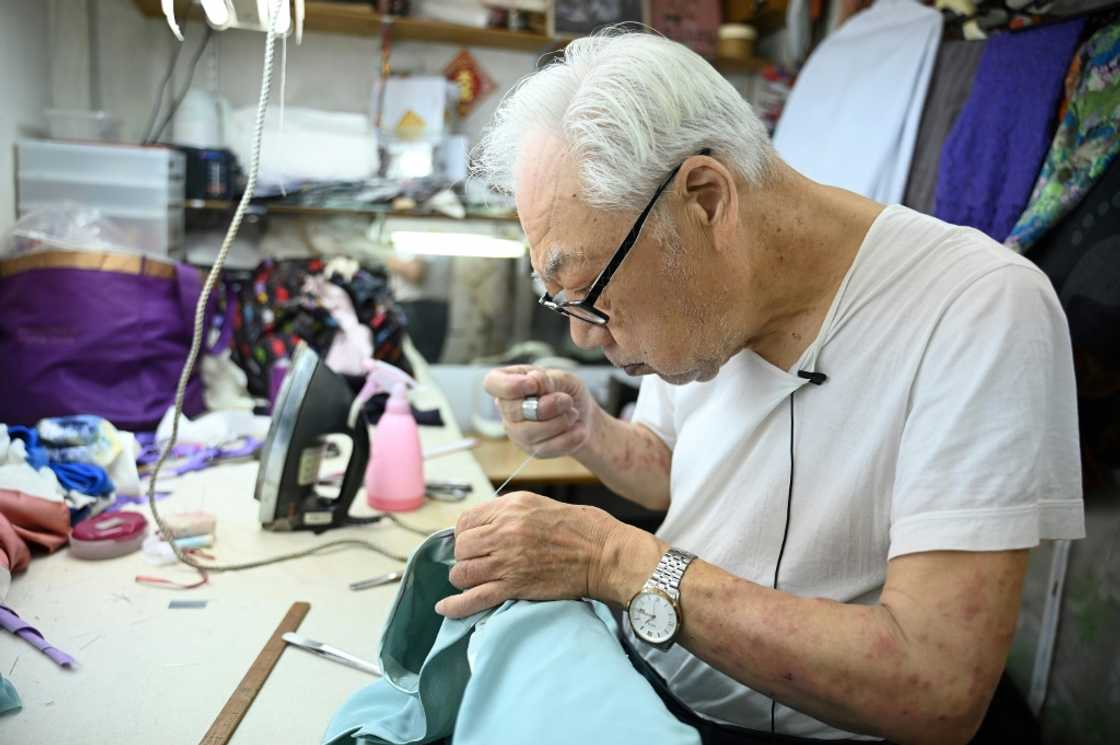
(584, 309)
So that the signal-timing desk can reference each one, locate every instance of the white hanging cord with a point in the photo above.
(196, 341)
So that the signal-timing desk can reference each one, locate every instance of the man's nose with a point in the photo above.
(588, 335)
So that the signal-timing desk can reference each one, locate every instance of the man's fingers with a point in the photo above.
(536, 433)
(475, 542)
(472, 601)
(477, 516)
(548, 407)
(475, 572)
(511, 383)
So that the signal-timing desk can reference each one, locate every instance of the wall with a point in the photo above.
(334, 72)
(23, 54)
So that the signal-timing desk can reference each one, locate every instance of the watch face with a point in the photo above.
(653, 617)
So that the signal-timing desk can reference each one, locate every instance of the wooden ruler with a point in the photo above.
(234, 711)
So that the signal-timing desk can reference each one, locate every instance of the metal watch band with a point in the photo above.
(667, 576)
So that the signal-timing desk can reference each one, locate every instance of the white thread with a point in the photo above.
(512, 476)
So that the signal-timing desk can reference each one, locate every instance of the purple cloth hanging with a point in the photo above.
(991, 158)
(11, 621)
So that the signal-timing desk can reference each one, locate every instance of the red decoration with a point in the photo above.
(474, 84)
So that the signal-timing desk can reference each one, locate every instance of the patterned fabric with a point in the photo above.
(275, 311)
(991, 158)
(1086, 141)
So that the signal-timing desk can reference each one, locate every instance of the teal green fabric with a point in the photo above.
(9, 699)
(539, 672)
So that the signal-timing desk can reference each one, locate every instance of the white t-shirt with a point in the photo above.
(948, 422)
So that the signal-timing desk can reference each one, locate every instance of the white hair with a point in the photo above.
(630, 107)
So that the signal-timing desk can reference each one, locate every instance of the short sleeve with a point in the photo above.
(654, 409)
(989, 458)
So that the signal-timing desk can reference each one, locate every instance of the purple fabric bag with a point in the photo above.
(87, 332)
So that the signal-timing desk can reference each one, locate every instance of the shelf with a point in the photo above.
(730, 66)
(279, 208)
(360, 20)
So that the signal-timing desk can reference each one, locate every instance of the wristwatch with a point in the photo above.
(655, 612)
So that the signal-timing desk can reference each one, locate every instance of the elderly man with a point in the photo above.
(858, 418)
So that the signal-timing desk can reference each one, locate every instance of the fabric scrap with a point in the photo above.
(11, 621)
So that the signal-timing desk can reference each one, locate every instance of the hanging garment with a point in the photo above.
(992, 156)
(852, 118)
(953, 73)
(1081, 255)
(275, 311)
(1087, 140)
(524, 672)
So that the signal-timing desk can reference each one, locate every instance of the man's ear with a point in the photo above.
(709, 195)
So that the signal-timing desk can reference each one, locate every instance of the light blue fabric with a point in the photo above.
(525, 672)
(9, 699)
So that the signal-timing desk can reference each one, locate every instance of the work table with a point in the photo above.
(149, 673)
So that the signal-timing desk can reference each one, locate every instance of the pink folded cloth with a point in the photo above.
(29, 520)
(14, 554)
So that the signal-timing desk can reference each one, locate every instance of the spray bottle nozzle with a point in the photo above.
(381, 377)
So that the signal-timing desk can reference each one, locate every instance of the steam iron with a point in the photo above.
(313, 402)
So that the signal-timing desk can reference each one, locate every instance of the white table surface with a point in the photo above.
(150, 674)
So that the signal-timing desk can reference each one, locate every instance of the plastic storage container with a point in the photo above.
(141, 189)
(79, 124)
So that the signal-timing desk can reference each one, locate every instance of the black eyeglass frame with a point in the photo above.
(586, 305)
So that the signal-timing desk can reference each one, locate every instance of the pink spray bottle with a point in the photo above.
(395, 473)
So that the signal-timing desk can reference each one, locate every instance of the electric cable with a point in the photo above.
(785, 531)
(196, 343)
(176, 48)
(186, 87)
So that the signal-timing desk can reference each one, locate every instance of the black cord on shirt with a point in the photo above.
(785, 532)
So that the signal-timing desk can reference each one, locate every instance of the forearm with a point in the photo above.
(629, 459)
(849, 665)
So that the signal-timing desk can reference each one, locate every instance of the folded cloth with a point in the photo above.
(11, 621)
(991, 158)
(86, 478)
(551, 672)
(79, 439)
(40, 522)
(14, 554)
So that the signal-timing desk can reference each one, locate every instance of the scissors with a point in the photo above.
(448, 491)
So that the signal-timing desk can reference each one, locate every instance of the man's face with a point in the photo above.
(661, 304)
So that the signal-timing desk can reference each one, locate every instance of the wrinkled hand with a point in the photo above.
(566, 409)
(527, 547)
